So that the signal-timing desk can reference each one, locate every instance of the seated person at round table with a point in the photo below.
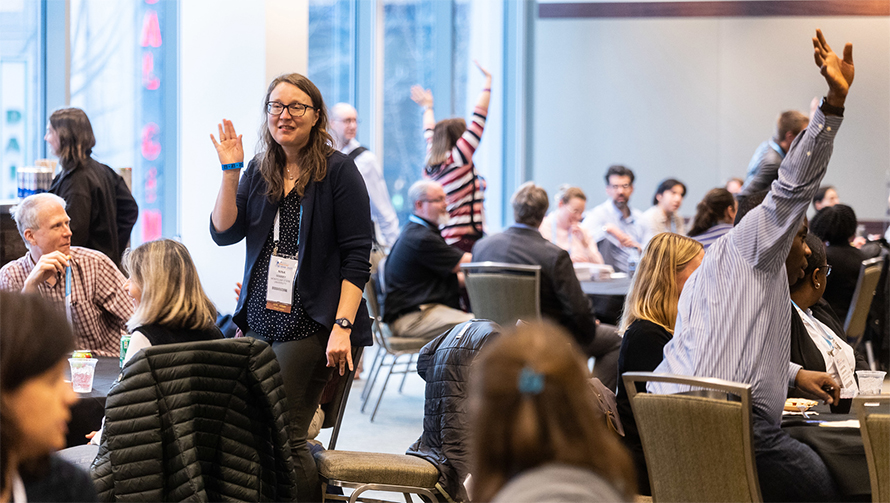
(647, 324)
(171, 307)
(663, 216)
(836, 226)
(714, 216)
(82, 283)
(35, 403)
(563, 227)
(538, 434)
(817, 336)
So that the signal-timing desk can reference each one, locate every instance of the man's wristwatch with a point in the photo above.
(828, 109)
(344, 323)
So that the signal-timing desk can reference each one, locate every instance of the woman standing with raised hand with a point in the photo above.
(450, 148)
(304, 211)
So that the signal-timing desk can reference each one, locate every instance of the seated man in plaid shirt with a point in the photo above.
(91, 293)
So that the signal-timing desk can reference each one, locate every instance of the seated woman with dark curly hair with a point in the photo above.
(836, 226)
(817, 335)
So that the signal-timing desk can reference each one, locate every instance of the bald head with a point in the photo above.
(344, 122)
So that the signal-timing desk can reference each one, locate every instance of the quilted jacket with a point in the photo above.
(444, 363)
(202, 421)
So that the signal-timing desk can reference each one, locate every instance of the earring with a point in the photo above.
(818, 285)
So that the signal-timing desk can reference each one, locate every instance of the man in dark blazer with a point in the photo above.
(562, 299)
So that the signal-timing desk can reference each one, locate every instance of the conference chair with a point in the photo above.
(874, 424)
(857, 316)
(334, 397)
(397, 354)
(226, 396)
(504, 293)
(698, 444)
(366, 471)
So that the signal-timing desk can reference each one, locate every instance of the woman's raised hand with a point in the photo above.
(421, 96)
(483, 70)
(229, 147)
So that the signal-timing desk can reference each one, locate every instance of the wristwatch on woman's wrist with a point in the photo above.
(344, 323)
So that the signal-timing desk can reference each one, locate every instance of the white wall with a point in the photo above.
(693, 98)
(224, 63)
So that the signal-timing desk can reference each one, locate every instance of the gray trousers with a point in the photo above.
(304, 372)
(605, 348)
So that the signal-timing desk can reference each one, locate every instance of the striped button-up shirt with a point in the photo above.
(100, 307)
(734, 316)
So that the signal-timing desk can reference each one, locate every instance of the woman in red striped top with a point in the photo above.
(450, 148)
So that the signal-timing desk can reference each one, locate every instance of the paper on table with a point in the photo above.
(849, 423)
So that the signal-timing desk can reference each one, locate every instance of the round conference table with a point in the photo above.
(617, 286)
(840, 447)
(88, 411)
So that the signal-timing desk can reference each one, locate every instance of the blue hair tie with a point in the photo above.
(530, 382)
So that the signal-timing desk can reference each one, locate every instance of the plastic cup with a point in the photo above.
(82, 372)
(870, 381)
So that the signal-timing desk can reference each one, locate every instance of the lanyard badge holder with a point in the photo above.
(836, 354)
(68, 282)
(282, 274)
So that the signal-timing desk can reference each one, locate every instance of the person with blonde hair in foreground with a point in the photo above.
(538, 434)
(647, 324)
(171, 307)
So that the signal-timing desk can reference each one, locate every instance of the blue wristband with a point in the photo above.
(234, 165)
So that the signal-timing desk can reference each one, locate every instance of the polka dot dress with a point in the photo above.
(275, 325)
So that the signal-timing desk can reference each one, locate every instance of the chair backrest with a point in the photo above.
(335, 396)
(379, 329)
(503, 292)
(697, 448)
(869, 275)
(225, 394)
(874, 424)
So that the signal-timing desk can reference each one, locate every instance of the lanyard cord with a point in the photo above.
(276, 231)
(813, 321)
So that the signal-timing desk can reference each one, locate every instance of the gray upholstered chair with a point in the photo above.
(698, 444)
(869, 275)
(371, 471)
(364, 471)
(874, 424)
(396, 354)
(504, 293)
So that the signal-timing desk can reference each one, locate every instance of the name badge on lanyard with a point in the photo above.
(842, 368)
(282, 275)
(68, 284)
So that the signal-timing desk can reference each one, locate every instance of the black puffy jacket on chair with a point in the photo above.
(202, 421)
(444, 363)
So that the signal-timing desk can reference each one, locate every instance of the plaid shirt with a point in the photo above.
(100, 307)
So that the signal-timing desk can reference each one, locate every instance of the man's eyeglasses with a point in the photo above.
(295, 110)
(827, 269)
(624, 186)
(347, 121)
(436, 200)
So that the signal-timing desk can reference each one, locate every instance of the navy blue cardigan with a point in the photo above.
(335, 240)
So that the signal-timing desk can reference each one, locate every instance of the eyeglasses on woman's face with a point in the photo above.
(294, 109)
(827, 269)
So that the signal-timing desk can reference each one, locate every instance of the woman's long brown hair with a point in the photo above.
(313, 158)
(515, 430)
